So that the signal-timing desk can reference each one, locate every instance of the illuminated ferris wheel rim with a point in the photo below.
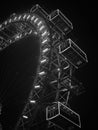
(38, 23)
(38, 28)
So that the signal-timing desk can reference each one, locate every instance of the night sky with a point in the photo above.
(18, 68)
(83, 15)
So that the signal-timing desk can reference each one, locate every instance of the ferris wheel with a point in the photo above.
(44, 101)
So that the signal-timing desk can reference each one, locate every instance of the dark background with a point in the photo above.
(83, 15)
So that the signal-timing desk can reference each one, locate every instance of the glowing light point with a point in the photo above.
(10, 20)
(18, 36)
(15, 18)
(45, 50)
(37, 86)
(19, 17)
(32, 101)
(58, 69)
(39, 23)
(35, 20)
(43, 61)
(41, 27)
(24, 16)
(30, 31)
(0, 25)
(32, 18)
(44, 33)
(26, 117)
(5, 22)
(35, 32)
(28, 17)
(44, 41)
(42, 73)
